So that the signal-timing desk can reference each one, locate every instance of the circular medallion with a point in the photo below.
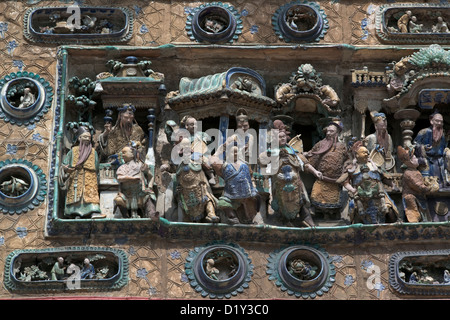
(214, 22)
(300, 21)
(25, 97)
(219, 270)
(22, 186)
(301, 270)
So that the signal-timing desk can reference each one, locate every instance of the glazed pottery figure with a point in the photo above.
(289, 195)
(328, 156)
(193, 191)
(136, 195)
(239, 198)
(370, 203)
(380, 144)
(414, 187)
(126, 132)
(432, 151)
(79, 178)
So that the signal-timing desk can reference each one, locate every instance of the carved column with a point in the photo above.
(408, 117)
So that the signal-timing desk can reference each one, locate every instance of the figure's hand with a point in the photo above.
(319, 175)
(68, 169)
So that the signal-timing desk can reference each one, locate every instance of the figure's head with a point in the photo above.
(86, 261)
(242, 120)
(408, 157)
(436, 120)
(61, 260)
(127, 154)
(84, 135)
(362, 154)
(380, 122)
(331, 131)
(282, 138)
(189, 123)
(126, 115)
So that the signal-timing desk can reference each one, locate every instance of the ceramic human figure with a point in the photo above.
(432, 151)
(364, 180)
(328, 156)
(136, 195)
(440, 26)
(402, 23)
(126, 132)
(289, 195)
(415, 27)
(58, 271)
(199, 148)
(88, 270)
(27, 99)
(414, 187)
(193, 190)
(79, 178)
(239, 198)
(211, 271)
(380, 144)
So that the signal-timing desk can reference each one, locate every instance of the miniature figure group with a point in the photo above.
(123, 146)
(408, 23)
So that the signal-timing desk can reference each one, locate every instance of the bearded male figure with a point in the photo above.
(432, 151)
(328, 156)
(80, 180)
(380, 144)
(126, 132)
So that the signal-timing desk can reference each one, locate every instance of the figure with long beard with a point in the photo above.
(328, 156)
(432, 151)
(126, 132)
(79, 177)
(380, 144)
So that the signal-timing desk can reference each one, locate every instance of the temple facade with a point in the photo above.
(224, 150)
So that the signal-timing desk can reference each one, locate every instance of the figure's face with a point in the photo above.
(437, 121)
(127, 154)
(381, 125)
(362, 155)
(414, 161)
(331, 132)
(127, 118)
(282, 139)
(243, 125)
(85, 136)
(191, 125)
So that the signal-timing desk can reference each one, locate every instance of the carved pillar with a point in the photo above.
(408, 117)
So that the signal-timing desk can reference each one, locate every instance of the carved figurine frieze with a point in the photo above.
(370, 203)
(328, 156)
(79, 178)
(412, 23)
(74, 24)
(136, 196)
(289, 196)
(414, 187)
